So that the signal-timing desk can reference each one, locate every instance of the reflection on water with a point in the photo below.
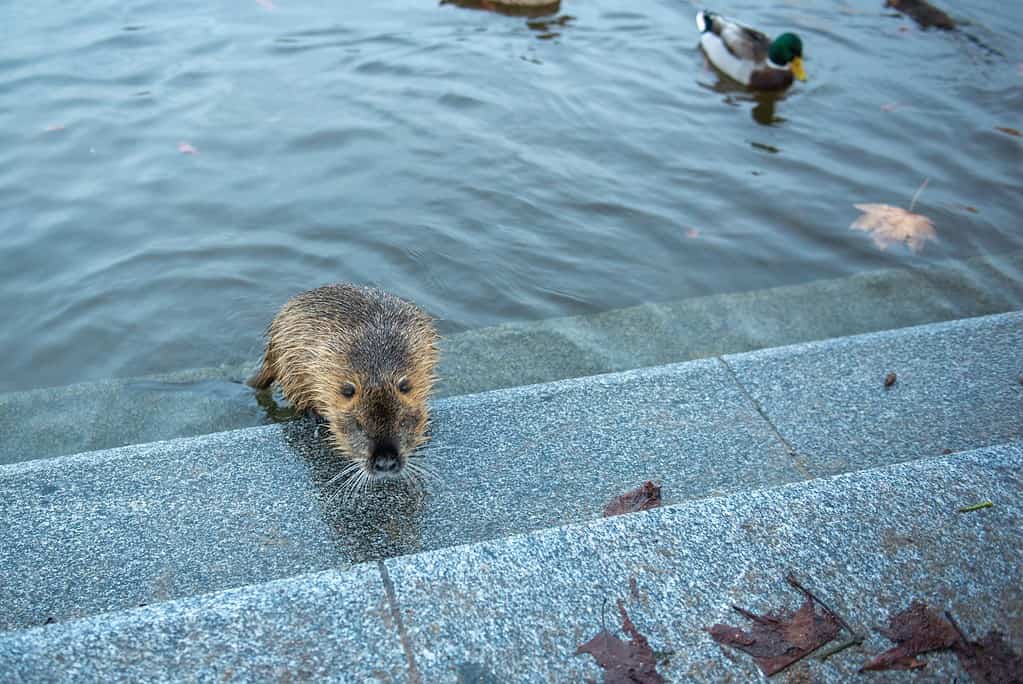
(738, 95)
(381, 522)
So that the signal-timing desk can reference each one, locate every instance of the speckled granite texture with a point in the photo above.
(100, 415)
(114, 529)
(867, 543)
(958, 386)
(330, 626)
(515, 610)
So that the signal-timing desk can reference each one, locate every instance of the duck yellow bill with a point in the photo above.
(797, 68)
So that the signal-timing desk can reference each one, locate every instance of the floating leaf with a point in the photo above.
(186, 148)
(889, 225)
(1009, 131)
(692, 234)
(624, 662)
(916, 630)
(642, 498)
(889, 380)
(778, 639)
(890, 107)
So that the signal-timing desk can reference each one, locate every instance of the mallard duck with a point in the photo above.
(748, 56)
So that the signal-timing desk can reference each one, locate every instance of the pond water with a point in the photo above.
(171, 172)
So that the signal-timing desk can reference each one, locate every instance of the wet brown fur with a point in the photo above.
(337, 334)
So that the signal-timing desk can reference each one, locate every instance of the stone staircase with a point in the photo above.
(56, 421)
(226, 556)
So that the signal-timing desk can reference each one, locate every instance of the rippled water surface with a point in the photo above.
(170, 172)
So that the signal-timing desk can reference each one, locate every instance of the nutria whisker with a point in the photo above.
(346, 470)
(423, 471)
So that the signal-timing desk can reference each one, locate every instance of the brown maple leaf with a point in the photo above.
(642, 498)
(624, 662)
(889, 225)
(778, 639)
(916, 630)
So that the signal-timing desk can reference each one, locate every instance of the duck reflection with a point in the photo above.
(737, 95)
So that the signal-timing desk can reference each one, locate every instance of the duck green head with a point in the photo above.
(788, 49)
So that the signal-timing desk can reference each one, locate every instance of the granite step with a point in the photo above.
(516, 609)
(57, 421)
(114, 529)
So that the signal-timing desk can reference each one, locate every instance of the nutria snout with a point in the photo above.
(362, 360)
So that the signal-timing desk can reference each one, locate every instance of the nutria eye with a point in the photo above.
(404, 386)
(348, 390)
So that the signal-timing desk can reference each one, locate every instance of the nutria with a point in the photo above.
(362, 361)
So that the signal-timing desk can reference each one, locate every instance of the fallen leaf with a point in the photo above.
(890, 107)
(976, 507)
(692, 233)
(889, 225)
(990, 660)
(916, 630)
(889, 380)
(642, 498)
(186, 148)
(1009, 131)
(778, 639)
(624, 662)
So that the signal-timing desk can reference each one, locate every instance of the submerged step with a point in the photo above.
(64, 420)
(517, 609)
(115, 529)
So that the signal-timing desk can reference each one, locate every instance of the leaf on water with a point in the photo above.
(889, 225)
(916, 630)
(692, 234)
(1009, 131)
(889, 380)
(890, 107)
(642, 498)
(624, 662)
(990, 660)
(187, 148)
(778, 639)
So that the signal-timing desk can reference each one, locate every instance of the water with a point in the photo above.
(491, 168)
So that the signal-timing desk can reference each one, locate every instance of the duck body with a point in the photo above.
(747, 55)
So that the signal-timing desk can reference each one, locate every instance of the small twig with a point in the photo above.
(917, 193)
(750, 616)
(791, 579)
(854, 640)
(955, 626)
(976, 507)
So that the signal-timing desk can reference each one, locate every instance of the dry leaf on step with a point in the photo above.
(888, 225)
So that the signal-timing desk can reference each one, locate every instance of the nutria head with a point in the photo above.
(364, 361)
(373, 393)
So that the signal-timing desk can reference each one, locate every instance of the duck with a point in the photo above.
(749, 56)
